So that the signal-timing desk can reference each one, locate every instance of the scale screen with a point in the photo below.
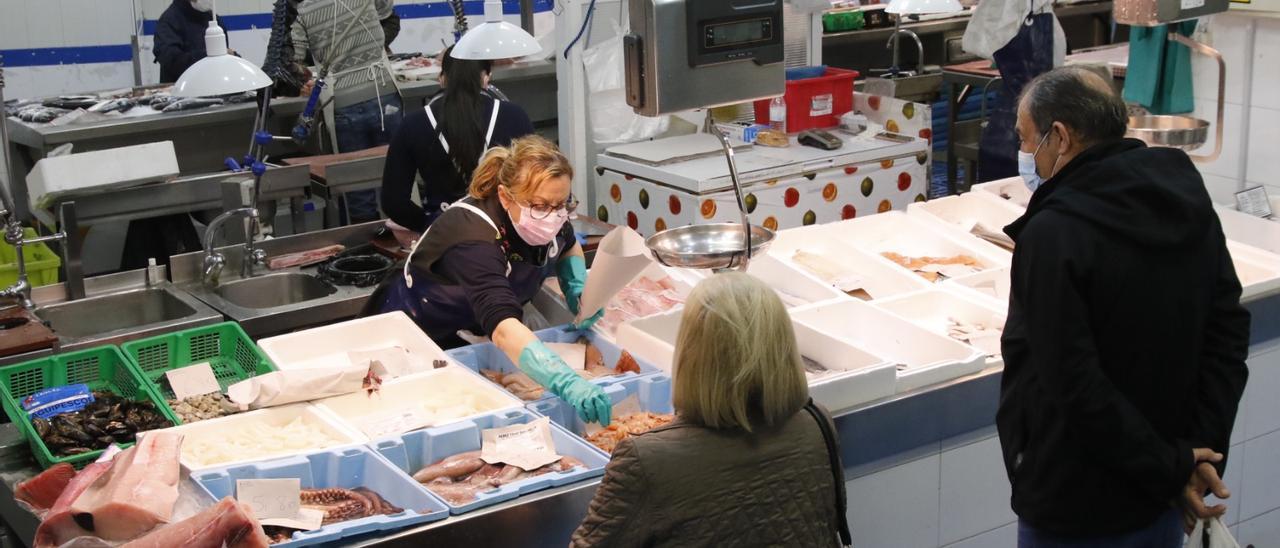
(737, 33)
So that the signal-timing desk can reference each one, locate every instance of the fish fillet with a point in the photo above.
(59, 526)
(137, 493)
(226, 523)
(42, 491)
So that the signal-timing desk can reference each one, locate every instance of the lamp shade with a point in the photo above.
(923, 7)
(495, 38)
(219, 73)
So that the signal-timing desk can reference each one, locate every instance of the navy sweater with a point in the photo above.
(416, 150)
(180, 38)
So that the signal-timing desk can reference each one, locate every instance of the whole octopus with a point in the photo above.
(338, 505)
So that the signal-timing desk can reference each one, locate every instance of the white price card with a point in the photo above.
(392, 423)
(308, 519)
(528, 446)
(192, 380)
(1254, 201)
(271, 498)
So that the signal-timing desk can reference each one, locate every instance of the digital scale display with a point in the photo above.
(737, 33)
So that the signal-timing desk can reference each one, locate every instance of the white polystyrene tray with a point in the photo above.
(275, 416)
(895, 231)
(1012, 190)
(881, 277)
(865, 377)
(960, 213)
(328, 346)
(683, 279)
(652, 339)
(1258, 270)
(1261, 233)
(932, 309)
(795, 288)
(99, 170)
(927, 358)
(439, 388)
(992, 286)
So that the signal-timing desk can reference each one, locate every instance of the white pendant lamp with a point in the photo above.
(495, 38)
(219, 73)
(923, 7)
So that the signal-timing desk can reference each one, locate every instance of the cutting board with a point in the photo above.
(23, 337)
(320, 163)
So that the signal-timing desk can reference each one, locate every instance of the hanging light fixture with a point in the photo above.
(219, 73)
(923, 7)
(495, 38)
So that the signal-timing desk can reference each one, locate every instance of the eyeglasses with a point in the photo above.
(542, 211)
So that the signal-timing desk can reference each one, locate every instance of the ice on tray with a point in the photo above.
(258, 435)
(966, 320)
(437, 397)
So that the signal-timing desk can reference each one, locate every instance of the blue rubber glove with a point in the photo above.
(546, 368)
(571, 272)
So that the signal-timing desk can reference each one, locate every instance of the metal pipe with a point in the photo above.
(1205, 50)
(737, 188)
(526, 16)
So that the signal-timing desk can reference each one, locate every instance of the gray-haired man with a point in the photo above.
(1125, 344)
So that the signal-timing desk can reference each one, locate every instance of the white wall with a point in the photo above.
(1250, 45)
(66, 33)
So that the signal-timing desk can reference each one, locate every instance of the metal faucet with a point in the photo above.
(214, 261)
(893, 43)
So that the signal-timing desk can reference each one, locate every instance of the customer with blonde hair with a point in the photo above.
(748, 461)
(485, 258)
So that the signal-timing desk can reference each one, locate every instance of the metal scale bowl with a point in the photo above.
(1182, 132)
(716, 246)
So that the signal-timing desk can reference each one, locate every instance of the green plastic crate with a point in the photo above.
(230, 352)
(41, 262)
(103, 368)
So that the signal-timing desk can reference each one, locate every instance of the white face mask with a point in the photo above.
(202, 5)
(1027, 166)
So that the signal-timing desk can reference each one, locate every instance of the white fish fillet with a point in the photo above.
(138, 492)
(59, 526)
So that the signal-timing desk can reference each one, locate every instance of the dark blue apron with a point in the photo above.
(1027, 55)
(442, 310)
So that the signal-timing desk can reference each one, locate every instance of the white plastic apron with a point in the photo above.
(375, 75)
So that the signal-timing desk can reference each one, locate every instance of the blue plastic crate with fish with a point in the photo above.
(652, 391)
(346, 468)
(488, 356)
(417, 450)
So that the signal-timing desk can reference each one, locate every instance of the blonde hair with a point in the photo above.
(736, 358)
(521, 168)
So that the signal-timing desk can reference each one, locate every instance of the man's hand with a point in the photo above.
(306, 88)
(1204, 479)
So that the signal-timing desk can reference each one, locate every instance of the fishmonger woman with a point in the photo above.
(487, 255)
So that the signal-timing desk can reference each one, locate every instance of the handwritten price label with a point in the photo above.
(193, 380)
(271, 498)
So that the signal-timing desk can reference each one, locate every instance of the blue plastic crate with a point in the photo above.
(346, 467)
(415, 450)
(653, 391)
(488, 356)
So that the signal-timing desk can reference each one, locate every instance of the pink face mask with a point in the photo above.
(538, 231)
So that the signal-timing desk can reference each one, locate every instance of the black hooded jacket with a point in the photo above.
(1125, 344)
(179, 39)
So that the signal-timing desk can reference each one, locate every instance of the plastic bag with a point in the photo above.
(613, 121)
(1211, 533)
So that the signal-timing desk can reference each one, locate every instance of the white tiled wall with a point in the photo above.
(27, 24)
(1250, 46)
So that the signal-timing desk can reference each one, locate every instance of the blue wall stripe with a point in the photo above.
(78, 55)
(75, 55)
(251, 21)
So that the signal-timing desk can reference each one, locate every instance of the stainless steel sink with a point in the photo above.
(125, 315)
(274, 290)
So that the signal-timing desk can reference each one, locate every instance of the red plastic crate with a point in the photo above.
(814, 102)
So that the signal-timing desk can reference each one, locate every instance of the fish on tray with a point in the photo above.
(338, 505)
(458, 479)
(59, 525)
(137, 493)
(42, 491)
(226, 524)
(192, 103)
